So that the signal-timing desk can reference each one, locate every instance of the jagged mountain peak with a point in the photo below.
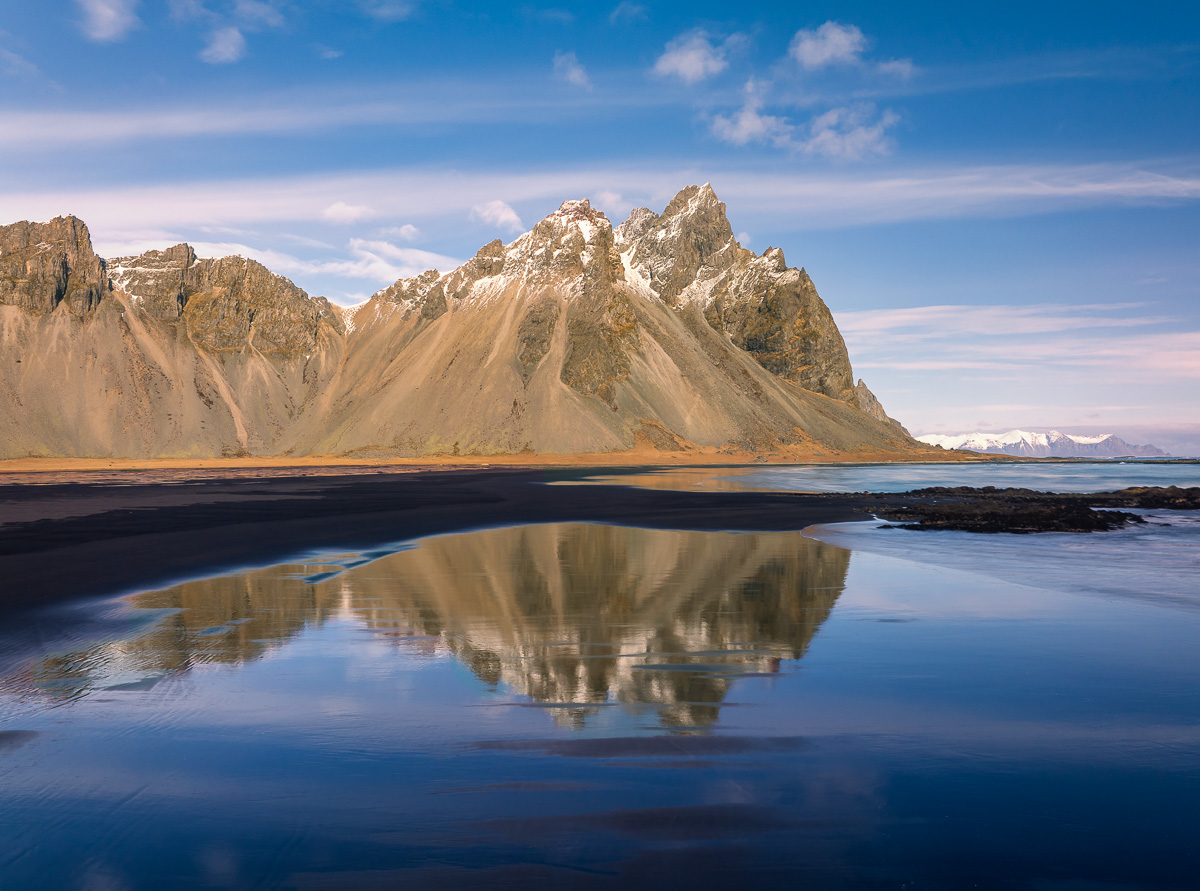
(690, 240)
(662, 334)
(685, 257)
(47, 265)
(572, 248)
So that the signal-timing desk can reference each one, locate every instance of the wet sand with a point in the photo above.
(69, 535)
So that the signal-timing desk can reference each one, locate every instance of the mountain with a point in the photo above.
(577, 337)
(1044, 445)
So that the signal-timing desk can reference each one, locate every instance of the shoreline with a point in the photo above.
(81, 540)
(82, 535)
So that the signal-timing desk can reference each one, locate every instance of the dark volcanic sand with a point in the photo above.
(99, 535)
(144, 529)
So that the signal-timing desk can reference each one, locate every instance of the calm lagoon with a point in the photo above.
(587, 706)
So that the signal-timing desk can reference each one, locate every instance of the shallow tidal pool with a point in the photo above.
(582, 705)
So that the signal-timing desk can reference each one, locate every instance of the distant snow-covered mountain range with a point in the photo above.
(1044, 445)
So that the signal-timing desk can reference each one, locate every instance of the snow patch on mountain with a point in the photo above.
(1051, 444)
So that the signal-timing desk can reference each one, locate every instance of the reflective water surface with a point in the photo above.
(1072, 476)
(583, 706)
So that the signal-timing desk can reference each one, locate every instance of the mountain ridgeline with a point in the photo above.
(662, 335)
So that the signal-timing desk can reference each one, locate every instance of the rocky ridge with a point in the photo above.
(575, 337)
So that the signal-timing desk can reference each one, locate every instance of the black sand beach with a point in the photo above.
(103, 535)
(75, 536)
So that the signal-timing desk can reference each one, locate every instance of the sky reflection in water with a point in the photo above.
(1068, 476)
(590, 705)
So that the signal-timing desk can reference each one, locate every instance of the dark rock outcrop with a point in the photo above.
(989, 509)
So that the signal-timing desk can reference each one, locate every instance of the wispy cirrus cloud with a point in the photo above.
(375, 261)
(39, 129)
(414, 194)
(925, 322)
(389, 10)
(943, 368)
(1115, 338)
(626, 12)
(15, 65)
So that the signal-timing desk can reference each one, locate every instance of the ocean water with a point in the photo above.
(1092, 476)
(579, 705)
(1073, 476)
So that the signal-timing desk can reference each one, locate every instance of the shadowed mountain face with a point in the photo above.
(575, 338)
(574, 616)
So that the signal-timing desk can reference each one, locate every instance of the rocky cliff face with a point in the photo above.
(576, 337)
(867, 402)
(688, 255)
(47, 265)
(228, 303)
(183, 358)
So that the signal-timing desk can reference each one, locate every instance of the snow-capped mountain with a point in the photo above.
(1044, 445)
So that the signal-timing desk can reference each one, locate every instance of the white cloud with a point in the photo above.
(389, 10)
(498, 214)
(743, 238)
(898, 68)
(830, 44)
(627, 12)
(847, 134)
(225, 45)
(567, 67)
(341, 212)
(751, 125)
(692, 57)
(108, 20)
(850, 134)
(407, 232)
(327, 53)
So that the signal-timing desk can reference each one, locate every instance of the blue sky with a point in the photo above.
(1001, 206)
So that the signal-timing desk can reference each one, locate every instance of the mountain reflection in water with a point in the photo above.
(574, 616)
